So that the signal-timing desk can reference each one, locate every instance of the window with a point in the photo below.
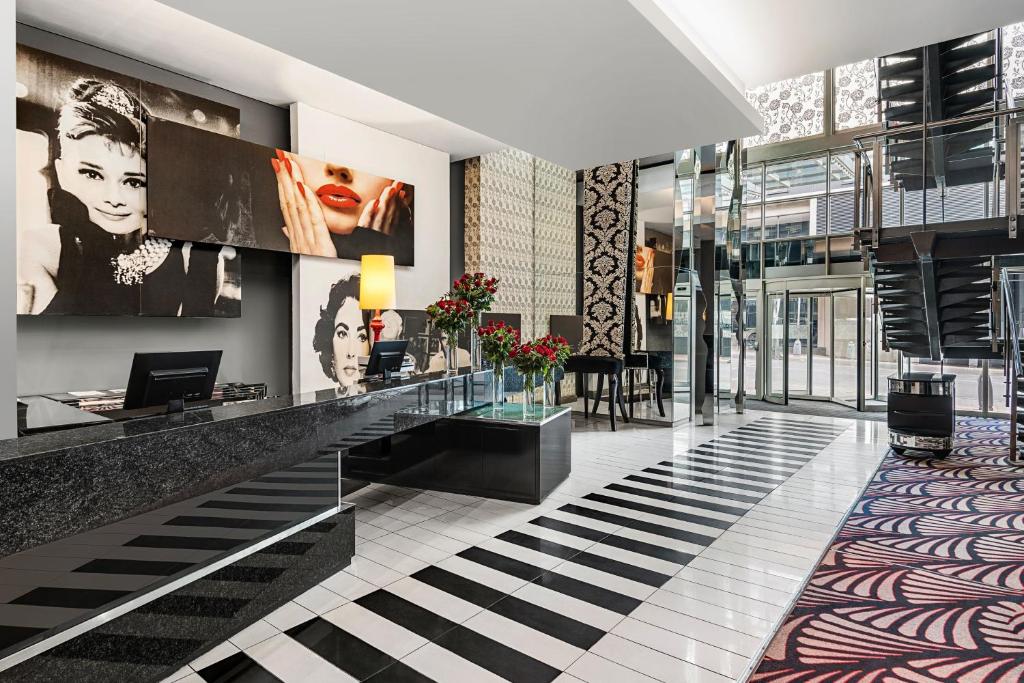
(795, 178)
(800, 218)
(794, 108)
(1013, 61)
(856, 95)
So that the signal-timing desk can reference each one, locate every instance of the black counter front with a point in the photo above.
(128, 548)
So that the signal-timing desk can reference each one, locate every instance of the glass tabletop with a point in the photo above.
(514, 412)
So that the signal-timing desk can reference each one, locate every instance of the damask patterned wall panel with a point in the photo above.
(608, 224)
(554, 242)
(521, 227)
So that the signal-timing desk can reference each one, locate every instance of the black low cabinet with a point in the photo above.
(481, 453)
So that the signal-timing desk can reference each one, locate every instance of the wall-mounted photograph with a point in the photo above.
(333, 333)
(83, 163)
(292, 203)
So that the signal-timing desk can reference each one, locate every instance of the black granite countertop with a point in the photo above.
(41, 444)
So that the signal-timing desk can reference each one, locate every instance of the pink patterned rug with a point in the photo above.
(925, 581)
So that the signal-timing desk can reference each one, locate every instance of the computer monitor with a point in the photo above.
(386, 357)
(170, 379)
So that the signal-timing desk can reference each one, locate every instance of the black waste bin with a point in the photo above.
(921, 413)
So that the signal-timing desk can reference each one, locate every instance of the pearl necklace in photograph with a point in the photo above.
(129, 269)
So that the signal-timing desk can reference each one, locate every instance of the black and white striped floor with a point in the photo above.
(666, 556)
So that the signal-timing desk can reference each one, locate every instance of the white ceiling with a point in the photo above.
(162, 36)
(577, 82)
(761, 41)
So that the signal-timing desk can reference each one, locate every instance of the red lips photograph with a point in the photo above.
(294, 203)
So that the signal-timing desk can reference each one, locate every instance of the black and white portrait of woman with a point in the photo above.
(341, 334)
(83, 247)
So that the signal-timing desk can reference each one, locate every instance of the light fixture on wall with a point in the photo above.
(377, 288)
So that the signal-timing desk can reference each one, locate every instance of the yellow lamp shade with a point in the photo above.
(377, 282)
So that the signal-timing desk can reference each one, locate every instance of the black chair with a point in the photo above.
(656, 361)
(571, 327)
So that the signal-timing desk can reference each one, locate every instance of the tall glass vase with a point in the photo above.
(498, 387)
(549, 389)
(476, 358)
(529, 394)
(451, 354)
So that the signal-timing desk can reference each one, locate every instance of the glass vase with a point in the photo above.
(476, 358)
(498, 387)
(549, 390)
(529, 394)
(451, 354)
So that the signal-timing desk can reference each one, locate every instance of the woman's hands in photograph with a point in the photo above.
(304, 223)
(384, 213)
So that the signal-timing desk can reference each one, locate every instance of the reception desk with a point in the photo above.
(129, 548)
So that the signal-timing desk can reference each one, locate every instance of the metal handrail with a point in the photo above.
(1011, 352)
(914, 127)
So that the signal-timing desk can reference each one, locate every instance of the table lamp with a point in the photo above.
(377, 288)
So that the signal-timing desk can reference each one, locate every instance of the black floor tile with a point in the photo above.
(238, 668)
(408, 615)
(460, 587)
(355, 657)
(272, 479)
(737, 462)
(698, 490)
(704, 479)
(499, 659)
(522, 570)
(544, 620)
(399, 673)
(567, 528)
(656, 510)
(648, 549)
(288, 548)
(588, 592)
(623, 569)
(685, 466)
(539, 545)
(639, 525)
(672, 498)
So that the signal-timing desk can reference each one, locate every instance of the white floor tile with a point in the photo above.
(293, 663)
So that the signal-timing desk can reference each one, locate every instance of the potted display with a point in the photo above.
(450, 316)
(479, 291)
(530, 360)
(496, 342)
(560, 345)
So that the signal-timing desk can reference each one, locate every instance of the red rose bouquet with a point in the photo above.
(451, 316)
(532, 359)
(497, 341)
(477, 289)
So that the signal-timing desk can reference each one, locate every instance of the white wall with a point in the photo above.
(321, 135)
(9, 328)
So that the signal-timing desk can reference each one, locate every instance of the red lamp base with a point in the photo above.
(377, 325)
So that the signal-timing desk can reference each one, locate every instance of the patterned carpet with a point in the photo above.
(925, 581)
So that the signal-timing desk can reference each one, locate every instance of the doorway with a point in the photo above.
(815, 347)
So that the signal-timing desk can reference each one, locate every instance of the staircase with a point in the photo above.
(935, 83)
(934, 281)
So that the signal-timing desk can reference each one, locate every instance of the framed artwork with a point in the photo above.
(289, 203)
(83, 240)
(332, 333)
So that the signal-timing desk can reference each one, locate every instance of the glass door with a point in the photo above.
(798, 346)
(776, 349)
(848, 358)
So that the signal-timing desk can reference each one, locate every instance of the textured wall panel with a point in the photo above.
(608, 223)
(521, 227)
(554, 242)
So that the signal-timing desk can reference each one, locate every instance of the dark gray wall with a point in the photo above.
(70, 353)
(457, 199)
